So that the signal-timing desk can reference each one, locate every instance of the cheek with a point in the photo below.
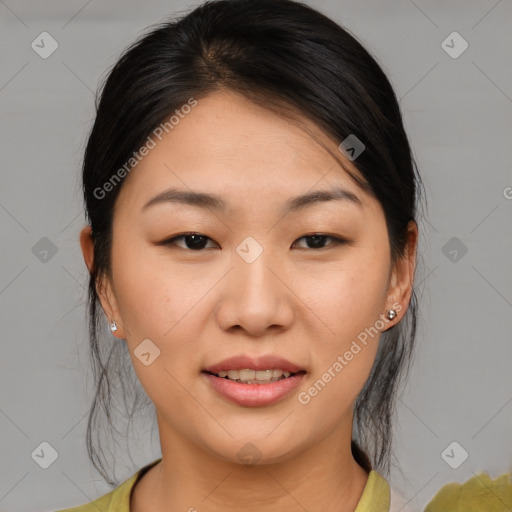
(152, 293)
(350, 295)
(349, 301)
(156, 303)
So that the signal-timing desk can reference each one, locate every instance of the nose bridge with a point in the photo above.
(252, 260)
(256, 298)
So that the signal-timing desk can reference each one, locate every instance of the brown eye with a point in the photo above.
(193, 241)
(317, 241)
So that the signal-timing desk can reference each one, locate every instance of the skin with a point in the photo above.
(303, 303)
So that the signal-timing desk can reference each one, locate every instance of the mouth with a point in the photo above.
(252, 381)
(251, 388)
(248, 376)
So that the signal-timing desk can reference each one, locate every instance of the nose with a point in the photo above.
(256, 296)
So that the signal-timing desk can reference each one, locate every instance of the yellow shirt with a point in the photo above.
(375, 497)
(478, 494)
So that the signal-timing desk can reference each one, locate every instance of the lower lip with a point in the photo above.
(254, 395)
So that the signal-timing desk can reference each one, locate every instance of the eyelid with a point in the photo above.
(336, 240)
(172, 239)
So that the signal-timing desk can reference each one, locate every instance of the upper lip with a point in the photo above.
(265, 362)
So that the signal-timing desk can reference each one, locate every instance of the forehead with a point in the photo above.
(230, 146)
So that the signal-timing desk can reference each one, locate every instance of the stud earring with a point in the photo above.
(391, 313)
(113, 326)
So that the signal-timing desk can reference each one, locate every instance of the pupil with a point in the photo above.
(198, 241)
(317, 240)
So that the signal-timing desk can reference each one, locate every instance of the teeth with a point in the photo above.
(255, 376)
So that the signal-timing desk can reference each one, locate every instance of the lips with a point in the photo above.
(253, 395)
(243, 362)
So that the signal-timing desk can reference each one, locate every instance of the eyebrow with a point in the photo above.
(215, 202)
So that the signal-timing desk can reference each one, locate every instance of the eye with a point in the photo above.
(193, 241)
(198, 242)
(317, 240)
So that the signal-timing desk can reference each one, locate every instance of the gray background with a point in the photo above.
(457, 113)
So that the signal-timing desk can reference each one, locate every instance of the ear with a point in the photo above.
(402, 276)
(103, 284)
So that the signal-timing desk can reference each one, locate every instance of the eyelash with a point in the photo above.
(336, 241)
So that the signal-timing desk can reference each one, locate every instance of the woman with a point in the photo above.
(251, 201)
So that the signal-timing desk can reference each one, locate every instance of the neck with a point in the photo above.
(324, 476)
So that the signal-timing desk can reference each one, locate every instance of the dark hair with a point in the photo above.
(291, 59)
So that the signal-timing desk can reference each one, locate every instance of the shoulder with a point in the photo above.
(117, 500)
(478, 494)
(375, 497)
(398, 503)
(379, 496)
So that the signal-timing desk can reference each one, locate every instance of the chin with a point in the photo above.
(254, 450)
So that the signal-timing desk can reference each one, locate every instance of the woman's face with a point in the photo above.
(253, 284)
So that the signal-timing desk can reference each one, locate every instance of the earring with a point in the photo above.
(391, 313)
(113, 326)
